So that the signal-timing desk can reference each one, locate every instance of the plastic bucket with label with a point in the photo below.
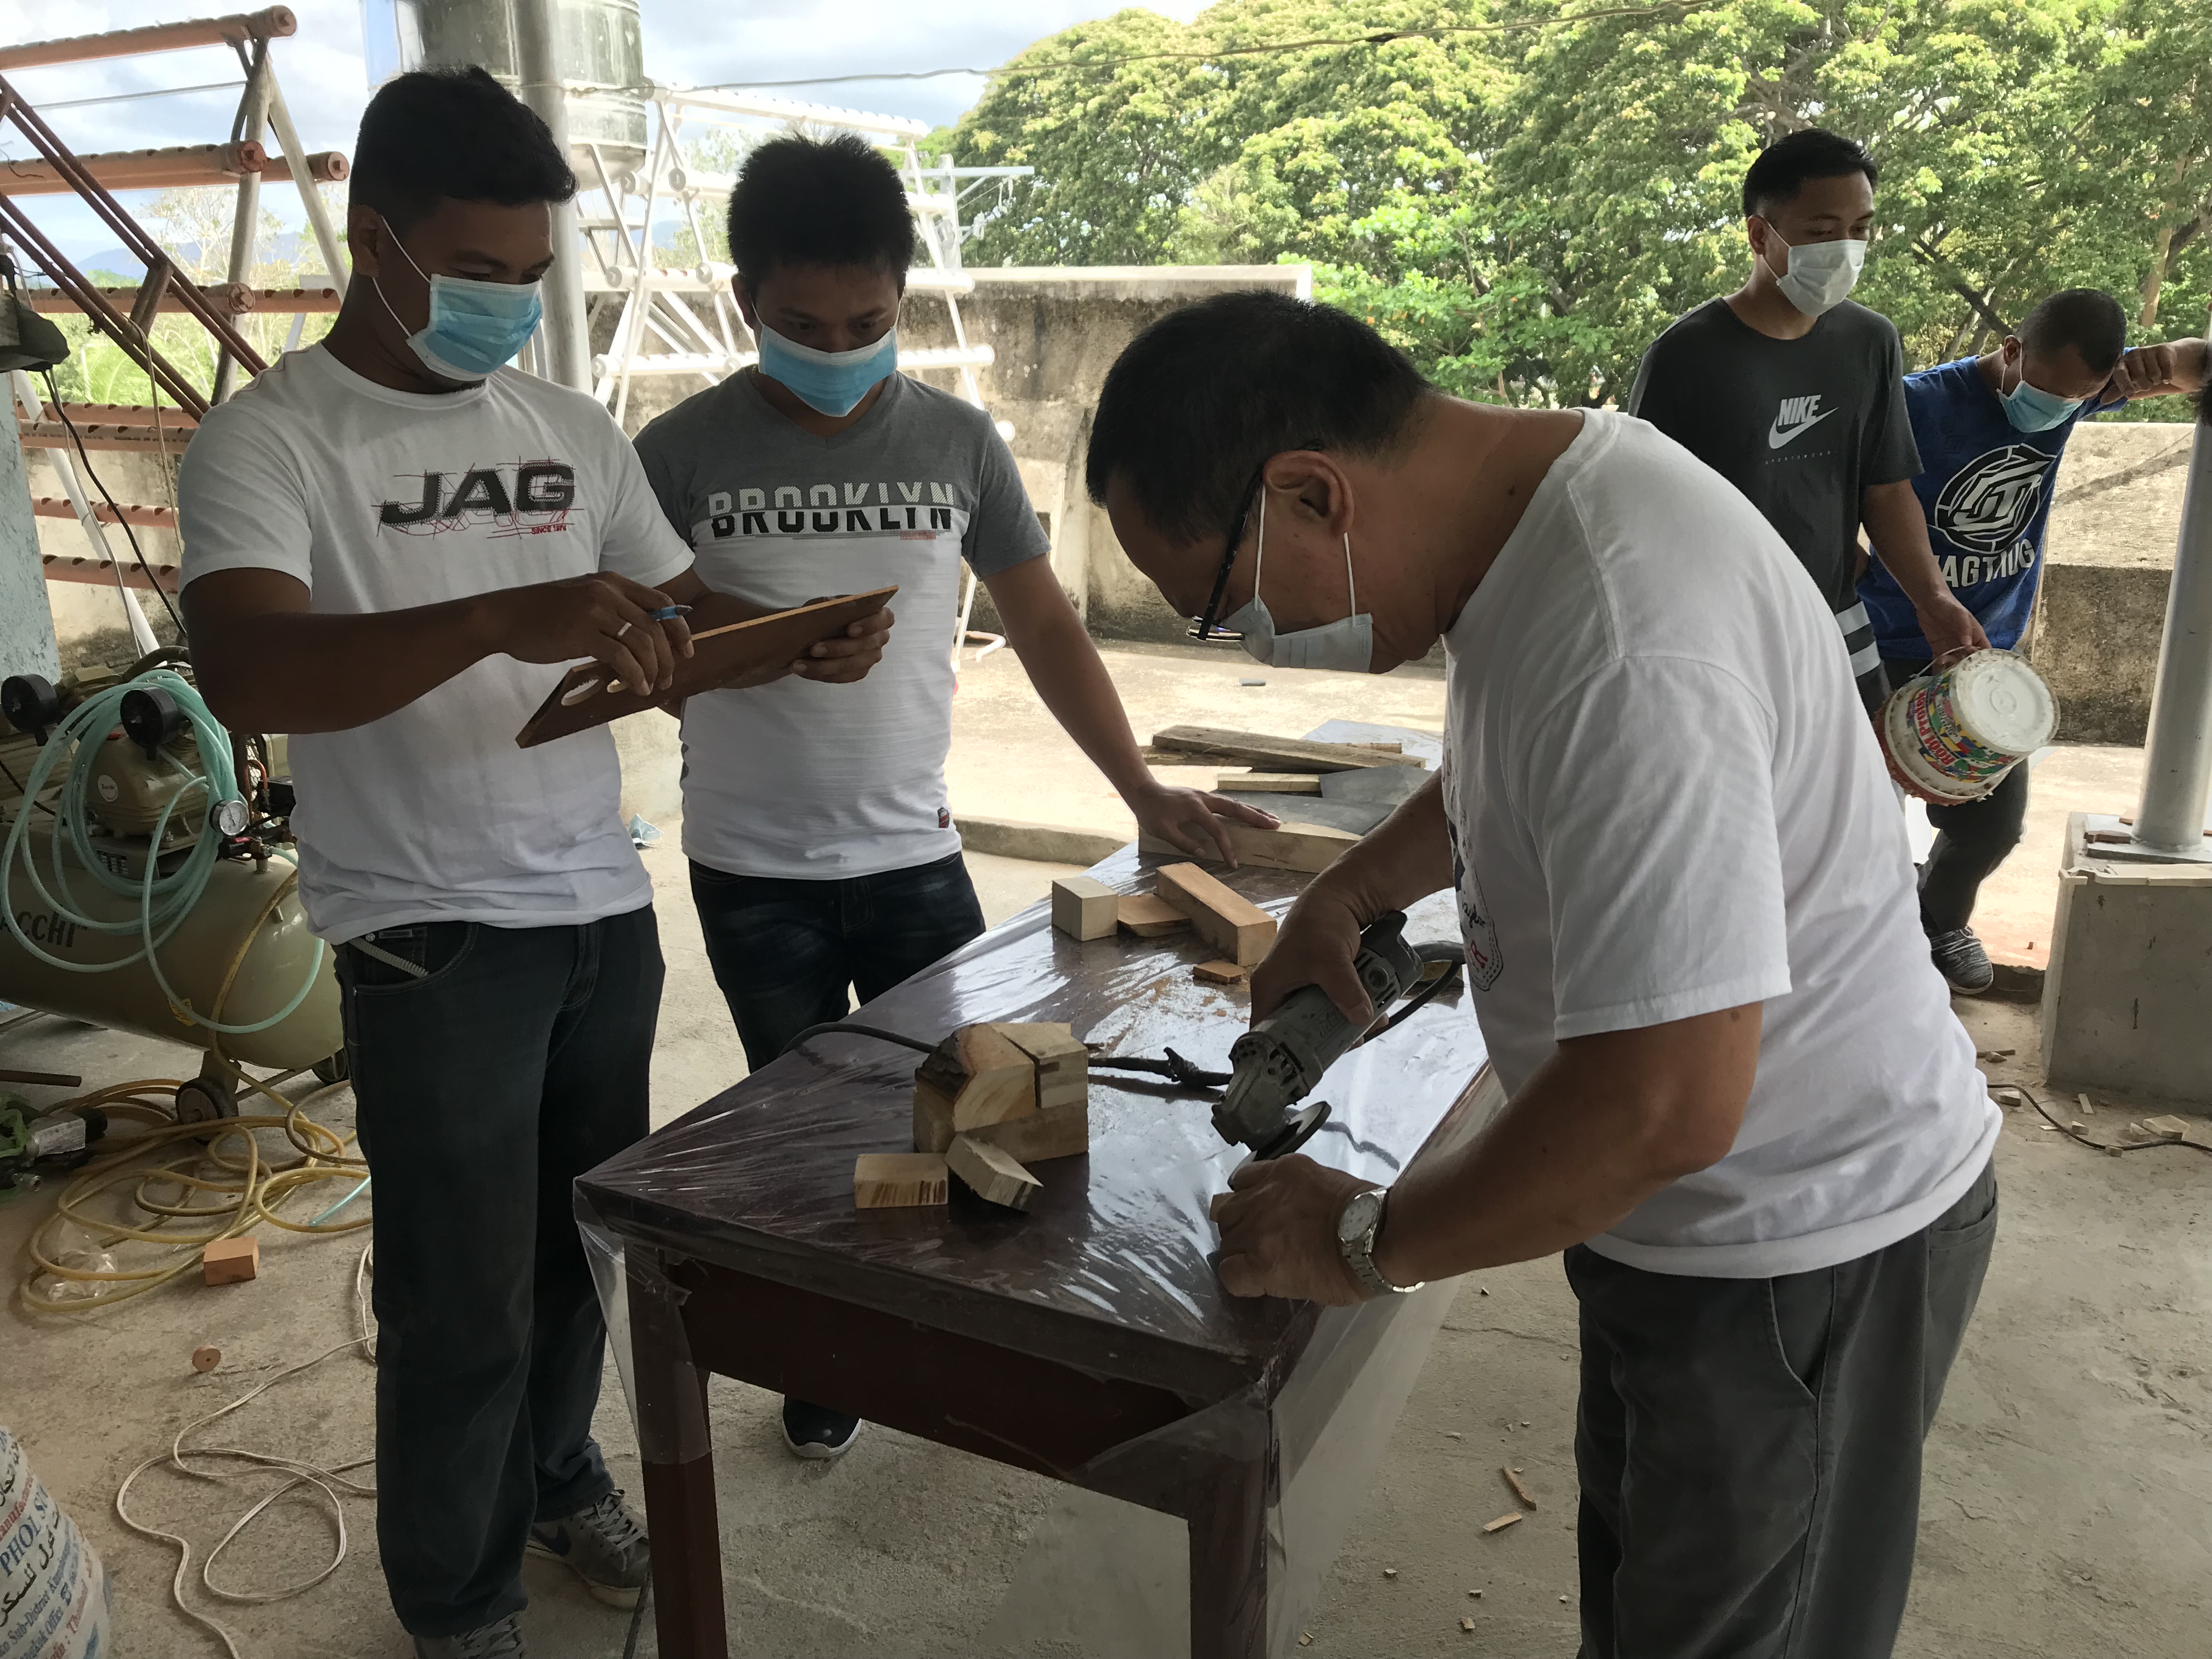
(1949, 737)
(53, 1592)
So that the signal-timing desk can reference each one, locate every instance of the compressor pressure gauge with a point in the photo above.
(231, 818)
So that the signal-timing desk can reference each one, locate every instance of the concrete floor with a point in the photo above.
(2069, 1486)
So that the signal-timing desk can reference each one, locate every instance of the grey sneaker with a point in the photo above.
(500, 1639)
(604, 1546)
(1962, 961)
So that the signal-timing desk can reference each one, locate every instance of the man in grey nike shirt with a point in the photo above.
(1797, 396)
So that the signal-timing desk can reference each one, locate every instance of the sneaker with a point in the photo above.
(604, 1546)
(1962, 961)
(500, 1639)
(816, 1432)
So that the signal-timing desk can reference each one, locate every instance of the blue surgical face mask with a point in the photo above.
(475, 327)
(833, 382)
(2031, 408)
(1347, 645)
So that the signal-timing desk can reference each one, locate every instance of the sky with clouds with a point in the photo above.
(322, 71)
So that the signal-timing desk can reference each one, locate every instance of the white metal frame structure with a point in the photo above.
(657, 305)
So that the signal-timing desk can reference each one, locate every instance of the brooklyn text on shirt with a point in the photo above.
(882, 508)
(509, 498)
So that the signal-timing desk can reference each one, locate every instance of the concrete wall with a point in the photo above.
(88, 619)
(27, 628)
(2109, 563)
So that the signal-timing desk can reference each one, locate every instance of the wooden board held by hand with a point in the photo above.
(718, 656)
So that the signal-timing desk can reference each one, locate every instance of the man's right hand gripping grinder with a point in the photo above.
(1279, 1061)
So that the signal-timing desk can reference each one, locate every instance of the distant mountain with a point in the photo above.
(294, 246)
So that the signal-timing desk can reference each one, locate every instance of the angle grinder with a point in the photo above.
(1279, 1062)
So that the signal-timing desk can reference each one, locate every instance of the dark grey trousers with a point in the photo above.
(1749, 1448)
(517, 1060)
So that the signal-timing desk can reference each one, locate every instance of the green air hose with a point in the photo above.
(164, 901)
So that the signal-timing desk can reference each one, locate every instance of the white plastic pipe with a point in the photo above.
(2178, 759)
(134, 615)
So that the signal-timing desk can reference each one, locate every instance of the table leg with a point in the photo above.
(1228, 1518)
(678, 1458)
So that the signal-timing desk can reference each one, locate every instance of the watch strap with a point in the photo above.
(1359, 1253)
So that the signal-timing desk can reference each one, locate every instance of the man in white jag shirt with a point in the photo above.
(383, 534)
(1739, 1100)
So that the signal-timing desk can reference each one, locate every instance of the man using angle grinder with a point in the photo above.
(823, 857)
(383, 534)
(1791, 392)
(1738, 1098)
(1990, 430)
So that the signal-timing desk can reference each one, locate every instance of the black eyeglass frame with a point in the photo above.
(1207, 631)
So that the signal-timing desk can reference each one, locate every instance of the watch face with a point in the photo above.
(1357, 1216)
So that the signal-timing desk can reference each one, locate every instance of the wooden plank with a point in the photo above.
(1270, 783)
(992, 1172)
(1044, 1134)
(1513, 1479)
(1229, 921)
(1220, 973)
(1083, 907)
(1306, 848)
(1502, 1523)
(1148, 915)
(580, 701)
(1279, 754)
(890, 1181)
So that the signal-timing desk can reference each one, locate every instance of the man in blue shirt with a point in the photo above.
(1991, 431)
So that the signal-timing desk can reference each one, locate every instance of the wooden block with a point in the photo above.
(992, 1172)
(932, 1116)
(1308, 848)
(1063, 1065)
(1502, 1523)
(1043, 1135)
(986, 1078)
(2165, 1128)
(1519, 1490)
(1083, 907)
(1148, 915)
(1270, 783)
(889, 1180)
(1226, 920)
(231, 1260)
(1220, 973)
(1279, 754)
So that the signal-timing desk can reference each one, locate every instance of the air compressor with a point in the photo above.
(150, 878)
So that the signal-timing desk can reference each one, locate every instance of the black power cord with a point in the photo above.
(2115, 1147)
(53, 393)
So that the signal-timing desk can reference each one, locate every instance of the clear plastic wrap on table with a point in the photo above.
(1111, 1271)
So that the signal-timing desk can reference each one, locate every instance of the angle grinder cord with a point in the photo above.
(164, 901)
(857, 1030)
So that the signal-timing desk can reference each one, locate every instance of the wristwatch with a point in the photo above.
(1358, 1225)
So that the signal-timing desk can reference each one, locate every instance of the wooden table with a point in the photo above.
(1088, 1341)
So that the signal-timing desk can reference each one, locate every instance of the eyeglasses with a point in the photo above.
(1207, 630)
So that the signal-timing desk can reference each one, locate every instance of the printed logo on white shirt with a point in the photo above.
(530, 497)
(1484, 959)
(878, 508)
(1797, 415)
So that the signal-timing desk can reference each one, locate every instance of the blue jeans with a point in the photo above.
(785, 951)
(491, 1070)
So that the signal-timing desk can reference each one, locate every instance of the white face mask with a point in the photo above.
(1348, 645)
(1820, 274)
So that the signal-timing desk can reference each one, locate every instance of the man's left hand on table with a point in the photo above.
(1189, 819)
(1277, 1225)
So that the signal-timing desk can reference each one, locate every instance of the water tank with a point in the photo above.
(601, 56)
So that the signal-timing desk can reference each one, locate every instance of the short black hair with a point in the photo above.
(2087, 318)
(1196, 403)
(453, 134)
(806, 201)
(1783, 167)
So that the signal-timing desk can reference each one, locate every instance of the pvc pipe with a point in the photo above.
(566, 353)
(301, 165)
(236, 29)
(2178, 758)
